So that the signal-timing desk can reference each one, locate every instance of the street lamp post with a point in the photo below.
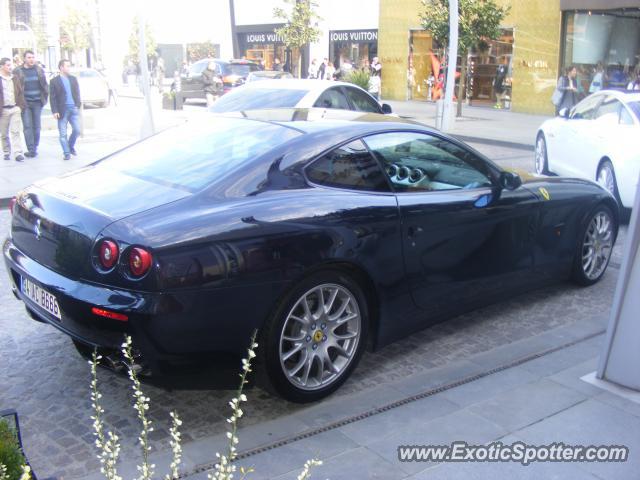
(447, 118)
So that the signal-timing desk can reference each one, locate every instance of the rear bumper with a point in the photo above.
(167, 327)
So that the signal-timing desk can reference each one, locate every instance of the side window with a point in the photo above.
(609, 111)
(586, 109)
(332, 98)
(350, 166)
(362, 101)
(420, 162)
(625, 117)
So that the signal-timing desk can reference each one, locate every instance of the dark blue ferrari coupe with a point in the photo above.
(328, 231)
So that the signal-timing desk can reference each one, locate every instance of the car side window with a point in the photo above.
(350, 166)
(362, 101)
(586, 109)
(332, 98)
(609, 111)
(420, 162)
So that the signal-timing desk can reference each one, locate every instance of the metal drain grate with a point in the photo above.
(390, 406)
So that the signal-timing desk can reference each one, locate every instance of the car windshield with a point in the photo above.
(258, 98)
(193, 156)
(241, 69)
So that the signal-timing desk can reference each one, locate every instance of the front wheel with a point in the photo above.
(542, 161)
(595, 245)
(607, 178)
(316, 337)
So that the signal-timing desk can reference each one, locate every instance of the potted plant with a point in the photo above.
(172, 100)
(13, 463)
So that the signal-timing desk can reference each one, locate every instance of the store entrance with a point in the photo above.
(489, 72)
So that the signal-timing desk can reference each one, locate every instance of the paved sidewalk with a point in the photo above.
(528, 391)
(479, 124)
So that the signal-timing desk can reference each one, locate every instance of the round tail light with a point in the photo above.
(139, 261)
(108, 253)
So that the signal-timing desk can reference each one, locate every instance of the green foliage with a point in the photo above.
(75, 29)
(478, 20)
(149, 40)
(198, 51)
(359, 78)
(298, 30)
(10, 455)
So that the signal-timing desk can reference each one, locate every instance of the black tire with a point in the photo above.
(606, 176)
(541, 158)
(580, 273)
(311, 343)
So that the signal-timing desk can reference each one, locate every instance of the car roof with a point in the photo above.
(622, 95)
(312, 120)
(298, 84)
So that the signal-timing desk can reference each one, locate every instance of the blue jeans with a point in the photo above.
(31, 125)
(70, 116)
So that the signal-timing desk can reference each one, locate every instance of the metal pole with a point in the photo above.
(148, 128)
(447, 119)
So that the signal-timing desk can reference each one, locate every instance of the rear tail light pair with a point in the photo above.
(139, 261)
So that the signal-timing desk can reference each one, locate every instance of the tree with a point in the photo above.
(298, 30)
(75, 30)
(149, 40)
(478, 21)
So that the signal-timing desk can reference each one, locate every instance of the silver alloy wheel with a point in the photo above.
(320, 336)
(541, 155)
(605, 178)
(597, 245)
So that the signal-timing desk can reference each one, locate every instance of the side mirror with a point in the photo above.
(510, 180)
(386, 109)
(564, 112)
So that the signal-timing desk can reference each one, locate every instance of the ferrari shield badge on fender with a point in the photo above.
(545, 194)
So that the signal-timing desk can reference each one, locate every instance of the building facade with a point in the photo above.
(539, 39)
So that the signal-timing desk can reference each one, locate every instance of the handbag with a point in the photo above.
(556, 97)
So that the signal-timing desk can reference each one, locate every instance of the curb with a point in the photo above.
(497, 143)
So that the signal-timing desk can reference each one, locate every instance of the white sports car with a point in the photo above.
(295, 93)
(599, 139)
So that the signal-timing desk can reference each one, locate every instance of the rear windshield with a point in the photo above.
(193, 156)
(258, 98)
(241, 69)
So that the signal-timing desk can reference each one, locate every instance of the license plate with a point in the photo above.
(41, 297)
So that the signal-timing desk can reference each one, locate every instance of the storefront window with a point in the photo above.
(489, 72)
(357, 46)
(262, 45)
(604, 46)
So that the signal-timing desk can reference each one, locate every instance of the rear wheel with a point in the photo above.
(607, 178)
(316, 337)
(542, 162)
(594, 246)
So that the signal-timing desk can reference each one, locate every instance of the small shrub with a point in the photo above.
(359, 78)
(10, 455)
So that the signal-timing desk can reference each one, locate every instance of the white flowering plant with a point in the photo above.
(109, 447)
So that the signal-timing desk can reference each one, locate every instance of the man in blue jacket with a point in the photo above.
(64, 94)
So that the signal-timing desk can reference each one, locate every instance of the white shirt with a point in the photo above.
(8, 91)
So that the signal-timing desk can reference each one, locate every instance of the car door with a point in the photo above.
(465, 241)
(613, 133)
(574, 139)
(333, 98)
(362, 101)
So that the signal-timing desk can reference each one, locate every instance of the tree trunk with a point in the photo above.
(463, 75)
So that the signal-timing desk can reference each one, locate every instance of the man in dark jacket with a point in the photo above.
(212, 83)
(64, 95)
(36, 94)
(11, 105)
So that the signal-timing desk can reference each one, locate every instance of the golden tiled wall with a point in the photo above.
(397, 18)
(536, 25)
(536, 51)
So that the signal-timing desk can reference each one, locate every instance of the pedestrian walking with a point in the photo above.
(36, 93)
(375, 81)
(635, 84)
(313, 69)
(212, 83)
(499, 86)
(160, 74)
(64, 95)
(599, 77)
(11, 105)
(330, 72)
(277, 66)
(322, 68)
(569, 88)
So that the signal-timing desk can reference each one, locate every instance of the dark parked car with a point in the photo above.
(233, 74)
(322, 233)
